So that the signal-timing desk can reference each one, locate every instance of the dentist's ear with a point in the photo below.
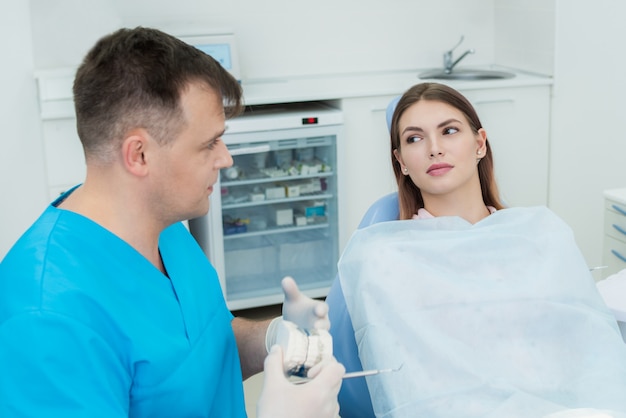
(133, 151)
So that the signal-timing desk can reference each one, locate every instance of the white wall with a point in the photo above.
(22, 181)
(282, 38)
(64, 30)
(524, 34)
(588, 152)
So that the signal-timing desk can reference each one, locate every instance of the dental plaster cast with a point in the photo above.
(302, 349)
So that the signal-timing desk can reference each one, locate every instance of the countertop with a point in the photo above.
(617, 195)
(55, 87)
(343, 86)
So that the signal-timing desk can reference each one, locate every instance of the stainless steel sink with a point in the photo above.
(466, 74)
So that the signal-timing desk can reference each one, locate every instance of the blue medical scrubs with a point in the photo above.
(90, 328)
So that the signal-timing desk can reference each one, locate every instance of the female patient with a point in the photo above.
(489, 311)
(441, 157)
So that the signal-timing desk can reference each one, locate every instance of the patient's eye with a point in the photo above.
(413, 138)
(450, 130)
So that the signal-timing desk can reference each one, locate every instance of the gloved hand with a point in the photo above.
(303, 311)
(300, 309)
(315, 399)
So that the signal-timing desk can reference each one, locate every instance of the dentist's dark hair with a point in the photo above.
(134, 78)
(409, 195)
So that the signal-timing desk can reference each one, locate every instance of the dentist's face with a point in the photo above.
(186, 170)
(438, 148)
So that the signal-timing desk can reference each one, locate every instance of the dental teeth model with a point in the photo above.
(302, 349)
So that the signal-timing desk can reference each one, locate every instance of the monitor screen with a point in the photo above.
(220, 52)
(222, 47)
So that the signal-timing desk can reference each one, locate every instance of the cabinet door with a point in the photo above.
(517, 121)
(366, 170)
(65, 166)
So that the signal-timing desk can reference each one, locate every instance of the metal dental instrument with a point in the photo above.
(598, 268)
(355, 374)
(370, 372)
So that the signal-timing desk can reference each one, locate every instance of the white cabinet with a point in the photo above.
(517, 121)
(614, 252)
(65, 161)
(366, 170)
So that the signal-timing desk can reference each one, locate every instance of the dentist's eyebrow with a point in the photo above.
(220, 134)
(214, 138)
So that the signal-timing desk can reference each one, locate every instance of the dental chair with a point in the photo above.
(354, 398)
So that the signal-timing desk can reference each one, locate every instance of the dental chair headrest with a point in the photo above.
(391, 107)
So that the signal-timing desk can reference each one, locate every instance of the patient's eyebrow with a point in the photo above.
(441, 125)
(447, 122)
(412, 129)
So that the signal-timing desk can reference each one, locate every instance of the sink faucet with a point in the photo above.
(448, 64)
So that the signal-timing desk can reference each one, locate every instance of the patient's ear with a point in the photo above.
(134, 148)
(398, 156)
(481, 142)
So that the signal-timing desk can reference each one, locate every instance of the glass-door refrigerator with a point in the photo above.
(275, 212)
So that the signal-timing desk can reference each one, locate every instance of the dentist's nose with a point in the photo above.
(225, 160)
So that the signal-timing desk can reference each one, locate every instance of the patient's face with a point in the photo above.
(439, 149)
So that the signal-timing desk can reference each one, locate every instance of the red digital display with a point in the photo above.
(309, 121)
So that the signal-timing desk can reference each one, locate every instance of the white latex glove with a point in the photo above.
(303, 311)
(315, 399)
(300, 309)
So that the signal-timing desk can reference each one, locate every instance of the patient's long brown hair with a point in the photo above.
(409, 195)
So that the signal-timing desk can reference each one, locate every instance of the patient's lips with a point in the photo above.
(439, 169)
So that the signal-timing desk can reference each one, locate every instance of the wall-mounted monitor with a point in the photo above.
(222, 47)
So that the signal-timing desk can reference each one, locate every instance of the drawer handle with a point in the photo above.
(618, 255)
(619, 209)
(619, 229)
